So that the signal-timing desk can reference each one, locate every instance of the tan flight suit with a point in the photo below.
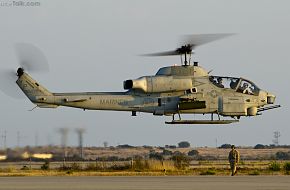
(234, 158)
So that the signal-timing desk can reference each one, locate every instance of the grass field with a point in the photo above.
(147, 168)
(210, 161)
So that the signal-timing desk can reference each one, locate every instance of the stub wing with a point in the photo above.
(75, 100)
(268, 108)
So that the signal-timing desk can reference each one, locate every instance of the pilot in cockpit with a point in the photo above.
(246, 89)
(234, 83)
(220, 82)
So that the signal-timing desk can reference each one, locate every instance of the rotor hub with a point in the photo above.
(186, 49)
(20, 71)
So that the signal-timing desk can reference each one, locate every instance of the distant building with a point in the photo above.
(42, 156)
(3, 157)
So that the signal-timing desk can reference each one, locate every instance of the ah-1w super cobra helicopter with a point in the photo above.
(185, 89)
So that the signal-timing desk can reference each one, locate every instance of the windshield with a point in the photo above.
(248, 87)
(238, 84)
(224, 82)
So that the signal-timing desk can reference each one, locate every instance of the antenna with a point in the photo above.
(80, 132)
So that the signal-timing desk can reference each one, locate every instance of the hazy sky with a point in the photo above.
(94, 46)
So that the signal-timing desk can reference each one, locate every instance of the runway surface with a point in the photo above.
(142, 183)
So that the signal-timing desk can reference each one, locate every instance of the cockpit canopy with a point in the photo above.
(238, 84)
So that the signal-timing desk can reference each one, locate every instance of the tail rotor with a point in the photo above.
(30, 59)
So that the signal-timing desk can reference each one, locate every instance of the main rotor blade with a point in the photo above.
(165, 53)
(200, 39)
(31, 58)
(189, 42)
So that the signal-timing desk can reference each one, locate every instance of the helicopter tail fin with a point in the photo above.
(31, 88)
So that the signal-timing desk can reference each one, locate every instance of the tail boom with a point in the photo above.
(39, 95)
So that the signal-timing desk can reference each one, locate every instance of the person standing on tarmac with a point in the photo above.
(234, 158)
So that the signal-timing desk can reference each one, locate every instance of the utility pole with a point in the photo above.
(48, 140)
(18, 139)
(80, 132)
(276, 138)
(106, 144)
(216, 142)
(4, 137)
(36, 138)
(63, 132)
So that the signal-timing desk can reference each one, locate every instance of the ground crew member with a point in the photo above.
(234, 158)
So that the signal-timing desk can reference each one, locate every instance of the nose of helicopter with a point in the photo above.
(270, 98)
(266, 97)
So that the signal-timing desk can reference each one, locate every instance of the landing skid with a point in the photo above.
(201, 121)
(212, 121)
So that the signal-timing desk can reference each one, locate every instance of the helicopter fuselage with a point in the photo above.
(173, 90)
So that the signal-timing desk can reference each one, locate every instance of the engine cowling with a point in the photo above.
(152, 84)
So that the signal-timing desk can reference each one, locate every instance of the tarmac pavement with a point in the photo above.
(147, 182)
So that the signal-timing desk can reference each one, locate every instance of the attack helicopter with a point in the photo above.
(173, 90)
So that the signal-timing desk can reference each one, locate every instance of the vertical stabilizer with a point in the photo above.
(31, 87)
